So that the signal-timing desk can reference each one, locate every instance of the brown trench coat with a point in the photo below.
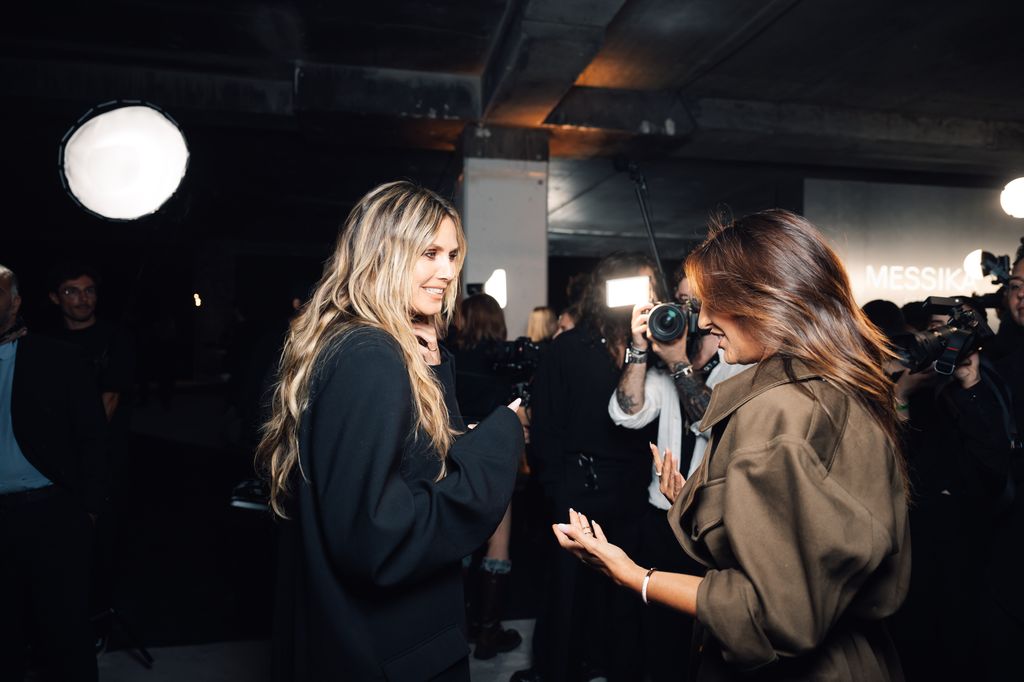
(798, 512)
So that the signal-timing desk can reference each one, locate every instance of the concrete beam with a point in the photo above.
(389, 92)
(496, 142)
(320, 88)
(786, 132)
(542, 50)
(169, 88)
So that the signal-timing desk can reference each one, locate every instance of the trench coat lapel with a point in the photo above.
(726, 398)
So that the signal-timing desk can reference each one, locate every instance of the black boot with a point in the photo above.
(493, 639)
(472, 621)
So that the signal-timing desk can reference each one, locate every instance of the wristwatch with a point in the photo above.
(682, 372)
(635, 356)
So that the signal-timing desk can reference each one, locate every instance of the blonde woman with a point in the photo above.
(542, 324)
(381, 492)
(798, 510)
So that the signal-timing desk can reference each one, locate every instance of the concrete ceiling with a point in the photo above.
(305, 104)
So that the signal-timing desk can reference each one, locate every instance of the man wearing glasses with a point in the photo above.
(75, 292)
(110, 351)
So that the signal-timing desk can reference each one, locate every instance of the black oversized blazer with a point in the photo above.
(369, 584)
(58, 419)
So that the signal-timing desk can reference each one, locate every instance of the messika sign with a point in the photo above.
(907, 242)
(914, 278)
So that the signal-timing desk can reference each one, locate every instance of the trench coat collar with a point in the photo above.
(731, 394)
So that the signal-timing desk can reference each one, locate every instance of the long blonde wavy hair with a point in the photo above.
(367, 282)
(775, 273)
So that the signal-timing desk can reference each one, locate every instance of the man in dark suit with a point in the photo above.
(52, 480)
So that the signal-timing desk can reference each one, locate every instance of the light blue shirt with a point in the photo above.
(16, 473)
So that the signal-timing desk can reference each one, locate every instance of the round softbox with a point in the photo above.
(123, 160)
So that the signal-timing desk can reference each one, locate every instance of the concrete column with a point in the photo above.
(503, 198)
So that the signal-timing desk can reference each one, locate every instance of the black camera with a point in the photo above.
(999, 268)
(669, 321)
(950, 344)
(517, 360)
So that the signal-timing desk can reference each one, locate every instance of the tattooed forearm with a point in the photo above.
(626, 401)
(694, 394)
(630, 391)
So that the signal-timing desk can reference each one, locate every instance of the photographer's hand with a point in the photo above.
(638, 325)
(968, 373)
(672, 352)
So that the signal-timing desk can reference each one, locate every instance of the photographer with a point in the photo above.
(647, 392)
(931, 619)
(961, 443)
(992, 417)
(583, 459)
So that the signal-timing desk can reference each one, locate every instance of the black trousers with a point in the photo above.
(587, 621)
(45, 555)
(667, 633)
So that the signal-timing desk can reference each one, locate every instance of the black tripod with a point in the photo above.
(113, 617)
(106, 616)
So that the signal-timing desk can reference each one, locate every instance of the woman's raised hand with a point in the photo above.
(670, 480)
(586, 540)
(427, 336)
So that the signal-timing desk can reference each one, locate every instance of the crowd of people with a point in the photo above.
(775, 496)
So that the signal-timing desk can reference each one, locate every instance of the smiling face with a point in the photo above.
(1015, 294)
(435, 269)
(738, 345)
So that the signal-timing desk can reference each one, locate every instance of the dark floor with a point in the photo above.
(250, 661)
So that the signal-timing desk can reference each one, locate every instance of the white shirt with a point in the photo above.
(662, 400)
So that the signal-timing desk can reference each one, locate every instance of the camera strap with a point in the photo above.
(710, 365)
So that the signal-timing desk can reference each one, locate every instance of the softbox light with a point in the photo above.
(1012, 198)
(123, 160)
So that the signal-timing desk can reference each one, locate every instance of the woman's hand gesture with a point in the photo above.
(670, 480)
(427, 336)
(585, 540)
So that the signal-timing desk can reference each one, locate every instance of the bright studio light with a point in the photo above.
(628, 291)
(972, 265)
(496, 287)
(1012, 198)
(124, 163)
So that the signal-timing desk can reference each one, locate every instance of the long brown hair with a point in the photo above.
(482, 320)
(367, 282)
(774, 272)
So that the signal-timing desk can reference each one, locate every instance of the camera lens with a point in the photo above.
(666, 322)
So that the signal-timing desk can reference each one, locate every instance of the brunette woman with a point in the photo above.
(799, 509)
